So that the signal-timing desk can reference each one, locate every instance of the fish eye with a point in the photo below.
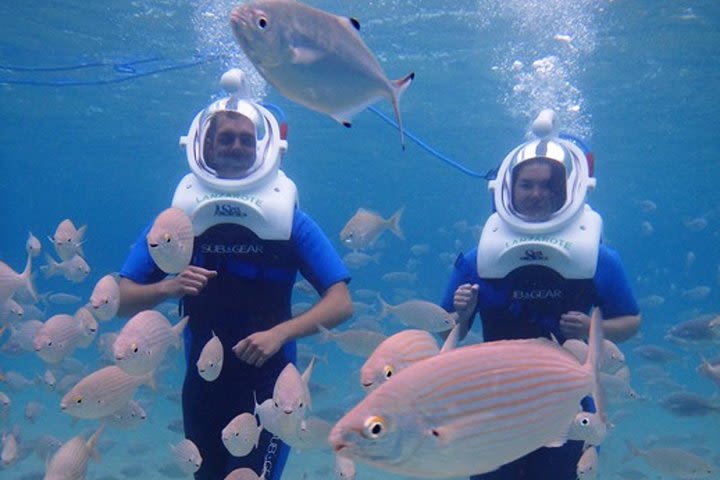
(168, 238)
(134, 348)
(374, 427)
(388, 370)
(262, 23)
(78, 400)
(585, 422)
(301, 405)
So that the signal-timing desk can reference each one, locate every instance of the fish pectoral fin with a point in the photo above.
(558, 441)
(305, 55)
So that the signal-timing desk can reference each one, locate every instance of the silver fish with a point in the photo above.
(315, 58)
(102, 393)
(170, 240)
(71, 460)
(210, 363)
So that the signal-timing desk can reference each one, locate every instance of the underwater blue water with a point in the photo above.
(637, 79)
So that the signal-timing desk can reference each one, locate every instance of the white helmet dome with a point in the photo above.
(269, 146)
(570, 180)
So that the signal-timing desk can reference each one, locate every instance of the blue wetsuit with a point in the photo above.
(528, 303)
(251, 293)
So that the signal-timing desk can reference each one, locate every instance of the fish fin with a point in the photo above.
(558, 441)
(399, 87)
(355, 23)
(28, 278)
(51, 268)
(385, 308)
(93, 440)
(452, 339)
(305, 56)
(326, 334)
(394, 223)
(178, 329)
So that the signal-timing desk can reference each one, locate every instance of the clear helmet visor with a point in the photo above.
(537, 181)
(231, 140)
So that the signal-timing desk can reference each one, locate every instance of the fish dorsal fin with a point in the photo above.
(305, 55)
(452, 339)
(355, 23)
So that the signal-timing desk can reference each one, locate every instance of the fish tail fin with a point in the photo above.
(27, 277)
(178, 329)
(51, 269)
(632, 451)
(326, 334)
(385, 307)
(399, 86)
(93, 440)
(596, 342)
(394, 223)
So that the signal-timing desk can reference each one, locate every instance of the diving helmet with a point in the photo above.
(549, 164)
(255, 159)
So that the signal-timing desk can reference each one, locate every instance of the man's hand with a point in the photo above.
(257, 348)
(575, 325)
(190, 281)
(465, 299)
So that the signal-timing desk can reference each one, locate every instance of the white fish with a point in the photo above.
(11, 312)
(5, 404)
(68, 240)
(141, 344)
(49, 379)
(366, 226)
(354, 341)
(33, 410)
(587, 467)
(170, 240)
(128, 417)
(356, 259)
(75, 269)
(11, 281)
(612, 360)
(105, 298)
(344, 468)
(674, 462)
(712, 371)
(89, 326)
(394, 354)
(102, 393)
(240, 436)
(187, 456)
(291, 398)
(315, 58)
(481, 406)
(210, 362)
(58, 337)
(244, 473)
(9, 452)
(420, 314)
(71, 460)
(32, 245)
(589, 427)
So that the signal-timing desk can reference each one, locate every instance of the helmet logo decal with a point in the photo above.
(228, 210)
(533, 255)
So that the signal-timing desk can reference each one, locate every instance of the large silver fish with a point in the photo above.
(470, 410)
(315, 58)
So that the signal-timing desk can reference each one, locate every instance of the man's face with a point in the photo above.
(233, 146)
(533, 193)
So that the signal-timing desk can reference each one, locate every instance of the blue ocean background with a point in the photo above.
(95, 95)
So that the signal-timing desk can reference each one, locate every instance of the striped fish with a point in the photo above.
(102, 393)
(71, 460)
(141, 344)
(472, 409)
